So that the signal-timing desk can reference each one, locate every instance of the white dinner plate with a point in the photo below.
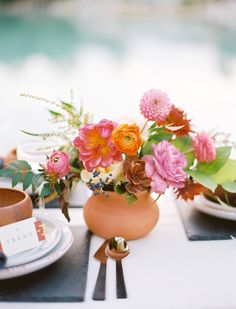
(52, 236)
(214, 209)
(56, 253)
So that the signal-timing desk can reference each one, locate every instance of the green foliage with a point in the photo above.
(227, 173)
(146, 148)
(36, 181)
(204, 179)
(222, 155)
(229, 186)
(27, 180)
(16, 179)
(64, 113)
(46, 190)
(120, 188)
(183, 143)
(130, 197)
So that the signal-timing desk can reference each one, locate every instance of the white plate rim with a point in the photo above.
(39, 254)
(214, 209)
(55, 254)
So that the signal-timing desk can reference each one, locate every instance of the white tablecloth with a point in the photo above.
(164, 270)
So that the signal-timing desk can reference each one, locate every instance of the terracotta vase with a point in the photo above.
(15, 205)
(112, 216)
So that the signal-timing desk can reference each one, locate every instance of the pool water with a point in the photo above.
(110, 62)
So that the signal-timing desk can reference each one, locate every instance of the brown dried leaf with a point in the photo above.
(190, 190)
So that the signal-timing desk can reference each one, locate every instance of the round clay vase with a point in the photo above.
(15, 205)
(111, 215)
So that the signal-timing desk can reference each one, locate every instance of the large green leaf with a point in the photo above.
(183, 143)
(222, 155)
(227, 173)
(190, 158)
(204, 179)
(229, 186)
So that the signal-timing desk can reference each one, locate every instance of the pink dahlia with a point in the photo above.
(95, 145)
(58, 164)
(155, 105)
(165, 167)
(204, 148)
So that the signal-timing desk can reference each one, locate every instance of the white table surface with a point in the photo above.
(164, 270)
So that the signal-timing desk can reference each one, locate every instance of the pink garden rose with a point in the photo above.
(204, 149)
(155, 105)
(165, 167)
(95, 145)
(58, 163)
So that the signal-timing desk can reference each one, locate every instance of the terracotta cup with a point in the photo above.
(15, 205)
(112, 216)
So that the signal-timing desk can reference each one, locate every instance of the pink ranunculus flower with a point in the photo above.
(58, 163)
(204, 149)
(95, 145)
(165, 167)
(155, 105)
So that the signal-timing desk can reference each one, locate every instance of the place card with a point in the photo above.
(21, 236)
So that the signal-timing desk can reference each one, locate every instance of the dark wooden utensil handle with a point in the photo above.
(100, 287)
(120, 281)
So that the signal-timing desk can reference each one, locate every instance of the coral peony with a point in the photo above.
(127, 138)
(95, 145)
(58, 164)
(204, 149)
(155, 105)
(165, 167)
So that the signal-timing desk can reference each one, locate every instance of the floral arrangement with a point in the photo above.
(165, 153)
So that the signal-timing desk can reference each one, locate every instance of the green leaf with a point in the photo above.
(24, 165)
(55, 114)
(58, 188)
(190, 158)
(204, 179)
(120, 188)
(227, 173)
(130, 197)
(6, 172)
(19, 165)
(183, 143)
(146, 148)
(222, 155)
(160, 137)
(16, 179)
(46, 190)
(27, 180)
(37, 180)
(153, 126)
(229, 186)
(67, 106)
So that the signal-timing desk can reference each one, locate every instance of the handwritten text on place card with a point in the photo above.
(20, 236)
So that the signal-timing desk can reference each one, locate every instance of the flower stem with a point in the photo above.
(145, 124)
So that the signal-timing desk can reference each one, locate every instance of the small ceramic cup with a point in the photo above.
(15, 205)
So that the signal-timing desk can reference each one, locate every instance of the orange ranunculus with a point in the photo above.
(127, 138)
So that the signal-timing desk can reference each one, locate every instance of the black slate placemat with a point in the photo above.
(63, 281)
(200, 226)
